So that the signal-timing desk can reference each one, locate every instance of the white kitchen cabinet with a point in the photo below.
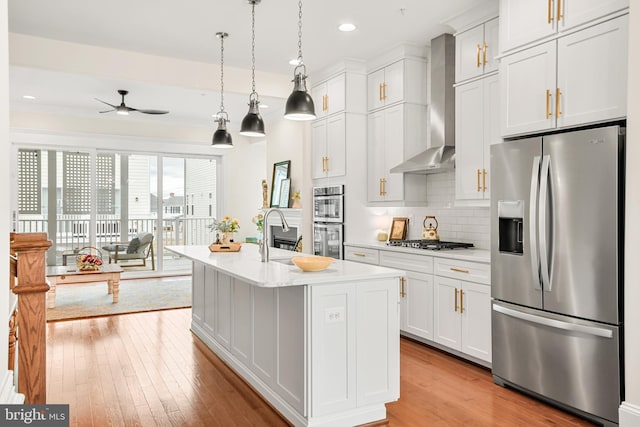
(476, 50)
(400, 81)
(328, 138)
(209, 298)
(364, 255)
(463, 316)
(395, 134)
(222, 326)
(525, 21)
(241, 344)
(477, 127)
(329, 97)
(590, 84)
(197, 296)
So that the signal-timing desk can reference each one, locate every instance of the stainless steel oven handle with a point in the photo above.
(533, 247)
(552, 323)
(542, 224)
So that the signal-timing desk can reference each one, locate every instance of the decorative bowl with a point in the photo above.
(312, 263)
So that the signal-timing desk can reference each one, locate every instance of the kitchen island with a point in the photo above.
(321, 347)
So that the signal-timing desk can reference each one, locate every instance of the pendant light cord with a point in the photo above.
(299, 32)
(222, 72)
(253, 48)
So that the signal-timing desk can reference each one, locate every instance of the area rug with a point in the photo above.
(91, 299)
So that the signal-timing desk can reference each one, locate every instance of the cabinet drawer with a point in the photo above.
(404, 261)
(368, 256)
(463, 270)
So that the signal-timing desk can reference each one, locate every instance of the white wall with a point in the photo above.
(5, 177)
(630, 412)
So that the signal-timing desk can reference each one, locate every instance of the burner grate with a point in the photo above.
(433, 245)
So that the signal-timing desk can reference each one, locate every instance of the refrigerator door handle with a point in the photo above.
(533, 249)
(542, 223)
(552, 323)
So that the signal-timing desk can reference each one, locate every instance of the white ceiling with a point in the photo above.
(186, 30)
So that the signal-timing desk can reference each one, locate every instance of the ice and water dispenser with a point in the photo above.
(510, 226)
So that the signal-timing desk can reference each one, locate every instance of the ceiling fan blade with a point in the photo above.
(110, 105)
(152, 111)
(106, 111)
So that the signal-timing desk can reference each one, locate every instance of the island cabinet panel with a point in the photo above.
(290, 347)
(222, 309)
(264, 334)
(377, 343)
(209, 300)
(333, 348)
(242, 308)
(197, 296)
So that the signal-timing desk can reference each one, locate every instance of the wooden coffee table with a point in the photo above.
(62, 275)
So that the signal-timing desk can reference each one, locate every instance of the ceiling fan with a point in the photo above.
(124, 110)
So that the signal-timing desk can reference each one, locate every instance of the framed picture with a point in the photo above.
(399, 227)
(281, 171)
(285, 186)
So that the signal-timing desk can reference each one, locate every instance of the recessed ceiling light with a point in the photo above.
(346, 27)
(28, 97)
(294, 61)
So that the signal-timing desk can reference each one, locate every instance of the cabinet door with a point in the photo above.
(223, 309)
(336, 148)
(335, 101)
(242, 314)
(528, 90)
(319, 93)
(578, 12)
(197, 296)
(375, 155)
(418, 305)
(318, 148)
(592, 74)
(393, 152)
(491, 119)
(475, 309)
(469, 140)
(393, 90)
(469, 53)
(491, 48)
(210, 300)
(525, 21)
(375, 83)
(447, 312)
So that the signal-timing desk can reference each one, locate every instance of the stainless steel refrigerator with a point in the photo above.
(557, 229)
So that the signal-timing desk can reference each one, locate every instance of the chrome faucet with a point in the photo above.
(264, 248)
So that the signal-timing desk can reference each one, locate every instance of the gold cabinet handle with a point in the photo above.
(548, 115)
(358, 254)
(459, 270)
(478, 180)
(384, 187)
(327, 103)
(461, 301)
(484, 180)
(384, 90)
(478, 56)
(484, 53)
(549, 12)
(559, 14)
(403, 293)
(380, 92)
(455, 303)
(380, 189)
(326, 159)
(558, 93)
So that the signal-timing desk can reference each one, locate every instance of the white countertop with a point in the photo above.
(246, 265)
(477, 255)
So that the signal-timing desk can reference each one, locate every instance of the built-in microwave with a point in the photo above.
(328, 204)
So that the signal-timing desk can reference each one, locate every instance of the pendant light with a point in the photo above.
(222, 137)
(300, 104)
(252, 124)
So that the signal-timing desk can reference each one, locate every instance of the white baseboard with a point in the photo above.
(8, 393)
(629, 415)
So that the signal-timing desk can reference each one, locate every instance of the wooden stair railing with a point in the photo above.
(28, 253)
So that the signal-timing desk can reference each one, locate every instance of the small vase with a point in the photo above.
(226, 238)
(296, 204)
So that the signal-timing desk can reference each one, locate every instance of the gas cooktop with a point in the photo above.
(434, 245)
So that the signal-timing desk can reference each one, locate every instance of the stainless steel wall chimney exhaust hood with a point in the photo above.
(440, 157)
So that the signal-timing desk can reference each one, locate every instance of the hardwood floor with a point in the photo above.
(147, 369)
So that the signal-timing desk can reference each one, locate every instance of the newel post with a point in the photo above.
(29, 250)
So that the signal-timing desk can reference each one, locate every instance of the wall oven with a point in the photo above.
(328, 214)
